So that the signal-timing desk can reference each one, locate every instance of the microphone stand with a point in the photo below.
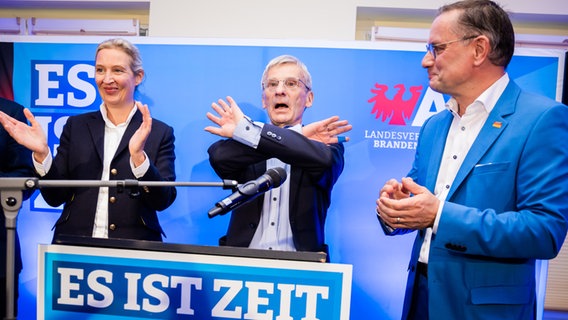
(11, 195)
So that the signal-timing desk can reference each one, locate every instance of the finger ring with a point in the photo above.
(341, 139)
(398, 220)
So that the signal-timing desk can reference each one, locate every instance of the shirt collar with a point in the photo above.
(487, 99)
(109, 123)
(297, 128)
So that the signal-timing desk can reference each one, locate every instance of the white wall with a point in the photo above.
(291, 19)
(559, 7)
(318, 19)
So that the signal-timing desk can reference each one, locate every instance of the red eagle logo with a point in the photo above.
(398, 109)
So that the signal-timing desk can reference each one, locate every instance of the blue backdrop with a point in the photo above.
(380, 88)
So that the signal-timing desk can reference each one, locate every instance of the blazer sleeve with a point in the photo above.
(15, 159)
(229, 157)
(424, 145)
(60, 168)
(514, 203)
(161, 151)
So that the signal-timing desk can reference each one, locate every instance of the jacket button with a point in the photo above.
(112, 227)
(112, 199)
(114, 172)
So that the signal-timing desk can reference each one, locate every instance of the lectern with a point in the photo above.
(82, 278)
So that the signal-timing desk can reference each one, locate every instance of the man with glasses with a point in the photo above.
(488, 191)
(292, 216)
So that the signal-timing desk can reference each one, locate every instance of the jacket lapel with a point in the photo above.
(492, 129)
(132, 127)
(437, 149)
(96, 128)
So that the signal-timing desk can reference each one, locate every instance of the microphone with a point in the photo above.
(272, 178)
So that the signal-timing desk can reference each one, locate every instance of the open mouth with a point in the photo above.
(280, 105)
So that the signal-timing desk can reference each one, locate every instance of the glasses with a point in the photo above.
(289, 83)
(438, 48)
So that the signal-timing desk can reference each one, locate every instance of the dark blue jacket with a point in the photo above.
(80, 157)
(315, 167)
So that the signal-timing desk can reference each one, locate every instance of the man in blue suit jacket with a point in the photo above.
(15, 161)
(488, 189)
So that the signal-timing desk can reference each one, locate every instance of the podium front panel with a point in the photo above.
(78, 282)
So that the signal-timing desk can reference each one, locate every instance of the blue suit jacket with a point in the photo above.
(315, 167)
(80, 157)
(507, 207)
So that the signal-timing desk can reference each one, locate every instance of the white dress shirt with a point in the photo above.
(274, 231)
(461, 136)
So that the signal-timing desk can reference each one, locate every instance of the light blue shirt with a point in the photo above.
(274, 231)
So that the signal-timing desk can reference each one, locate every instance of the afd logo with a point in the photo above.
(398, 110)
(63, 86)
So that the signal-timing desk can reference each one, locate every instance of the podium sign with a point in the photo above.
(79, 282)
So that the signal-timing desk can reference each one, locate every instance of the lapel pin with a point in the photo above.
(497, 124)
